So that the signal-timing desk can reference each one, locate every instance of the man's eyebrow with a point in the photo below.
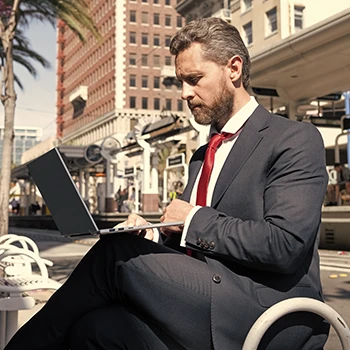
(187, 76)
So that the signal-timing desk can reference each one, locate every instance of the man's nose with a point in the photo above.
(187, 92)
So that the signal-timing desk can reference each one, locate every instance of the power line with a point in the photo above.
(35, 110)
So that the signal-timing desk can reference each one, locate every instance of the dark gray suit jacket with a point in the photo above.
(259, 236)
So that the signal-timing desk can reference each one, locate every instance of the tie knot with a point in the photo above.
(216, 140)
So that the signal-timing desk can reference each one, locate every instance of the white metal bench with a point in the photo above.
(19, 264)
(13, 289)
(271, 315)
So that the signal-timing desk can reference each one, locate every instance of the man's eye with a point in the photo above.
(193, 81)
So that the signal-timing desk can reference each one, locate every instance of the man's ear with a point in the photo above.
(235, 65)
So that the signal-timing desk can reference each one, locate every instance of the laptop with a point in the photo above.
(67, 207)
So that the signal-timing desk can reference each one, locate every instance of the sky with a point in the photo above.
(36, 103)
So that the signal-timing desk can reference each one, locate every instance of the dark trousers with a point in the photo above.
(126, 293)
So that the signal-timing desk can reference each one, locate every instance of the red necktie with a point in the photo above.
(202, 190)
(214, 143)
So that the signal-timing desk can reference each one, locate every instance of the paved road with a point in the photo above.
(335, 276)
(66, 254)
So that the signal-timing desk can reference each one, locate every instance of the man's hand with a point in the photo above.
(136, 220)
(177, 210)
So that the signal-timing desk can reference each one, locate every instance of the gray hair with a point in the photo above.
(220, 41)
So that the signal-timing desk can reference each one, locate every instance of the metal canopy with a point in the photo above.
(74, 157)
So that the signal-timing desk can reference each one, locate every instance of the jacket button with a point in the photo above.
(217, 278)
(211, 245)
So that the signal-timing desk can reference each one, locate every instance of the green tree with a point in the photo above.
(15, 15)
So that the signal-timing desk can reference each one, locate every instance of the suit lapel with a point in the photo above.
(245, 145)
(195, 166)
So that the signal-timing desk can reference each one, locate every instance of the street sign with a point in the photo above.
(329, 97)
(175, 161)
(129, 172)
(93, 154)
(265, 91)
(325, 122)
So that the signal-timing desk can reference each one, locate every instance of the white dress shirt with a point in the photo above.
(233, 125)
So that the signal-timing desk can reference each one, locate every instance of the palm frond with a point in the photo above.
(25, 63)
(74, 13)
(18, 82)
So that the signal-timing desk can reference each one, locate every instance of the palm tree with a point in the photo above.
(15, 14)
(23, 55)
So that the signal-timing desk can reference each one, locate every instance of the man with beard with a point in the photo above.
(249, 238)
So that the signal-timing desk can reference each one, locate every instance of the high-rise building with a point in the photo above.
(104, 88)
(121, 85)
(25, 138)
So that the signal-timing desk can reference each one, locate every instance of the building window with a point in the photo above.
(168, 20)
(132, 38)
(145, 81)
(155, 1)
(132, 102)
(144, 60)
(144, 0)
(167, 2)
(156, 20)
(168, 104)
(298, 17)
(156, 61)
(156, 104)
(156, 40)
(168, 60)
(248, 33)
(179, 21)
(156, 82)
(246, 5)
(144, 40)
(133, 16)
(144, 17)
(144, 102)
(132, 81)
(180, 105)
(132, 59)
(271, 21)
(167, 40)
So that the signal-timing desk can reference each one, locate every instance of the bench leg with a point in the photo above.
(2, 329)
(11, 324)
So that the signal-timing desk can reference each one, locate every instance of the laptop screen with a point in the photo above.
(60, 194)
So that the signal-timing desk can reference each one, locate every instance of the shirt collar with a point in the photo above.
(237, 120)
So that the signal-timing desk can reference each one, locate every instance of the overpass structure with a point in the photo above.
(303, 67)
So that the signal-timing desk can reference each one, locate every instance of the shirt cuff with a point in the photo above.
(187, 224)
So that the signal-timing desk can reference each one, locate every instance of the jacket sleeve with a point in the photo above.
(293, 196)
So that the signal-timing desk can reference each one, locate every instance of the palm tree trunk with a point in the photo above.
(9, 101)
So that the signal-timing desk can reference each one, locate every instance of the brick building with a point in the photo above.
(105, 88)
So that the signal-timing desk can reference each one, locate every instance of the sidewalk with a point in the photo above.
(41, 298)
(49, 235)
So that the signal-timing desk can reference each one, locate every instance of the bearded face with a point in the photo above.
(206, 86)
(215, 110)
